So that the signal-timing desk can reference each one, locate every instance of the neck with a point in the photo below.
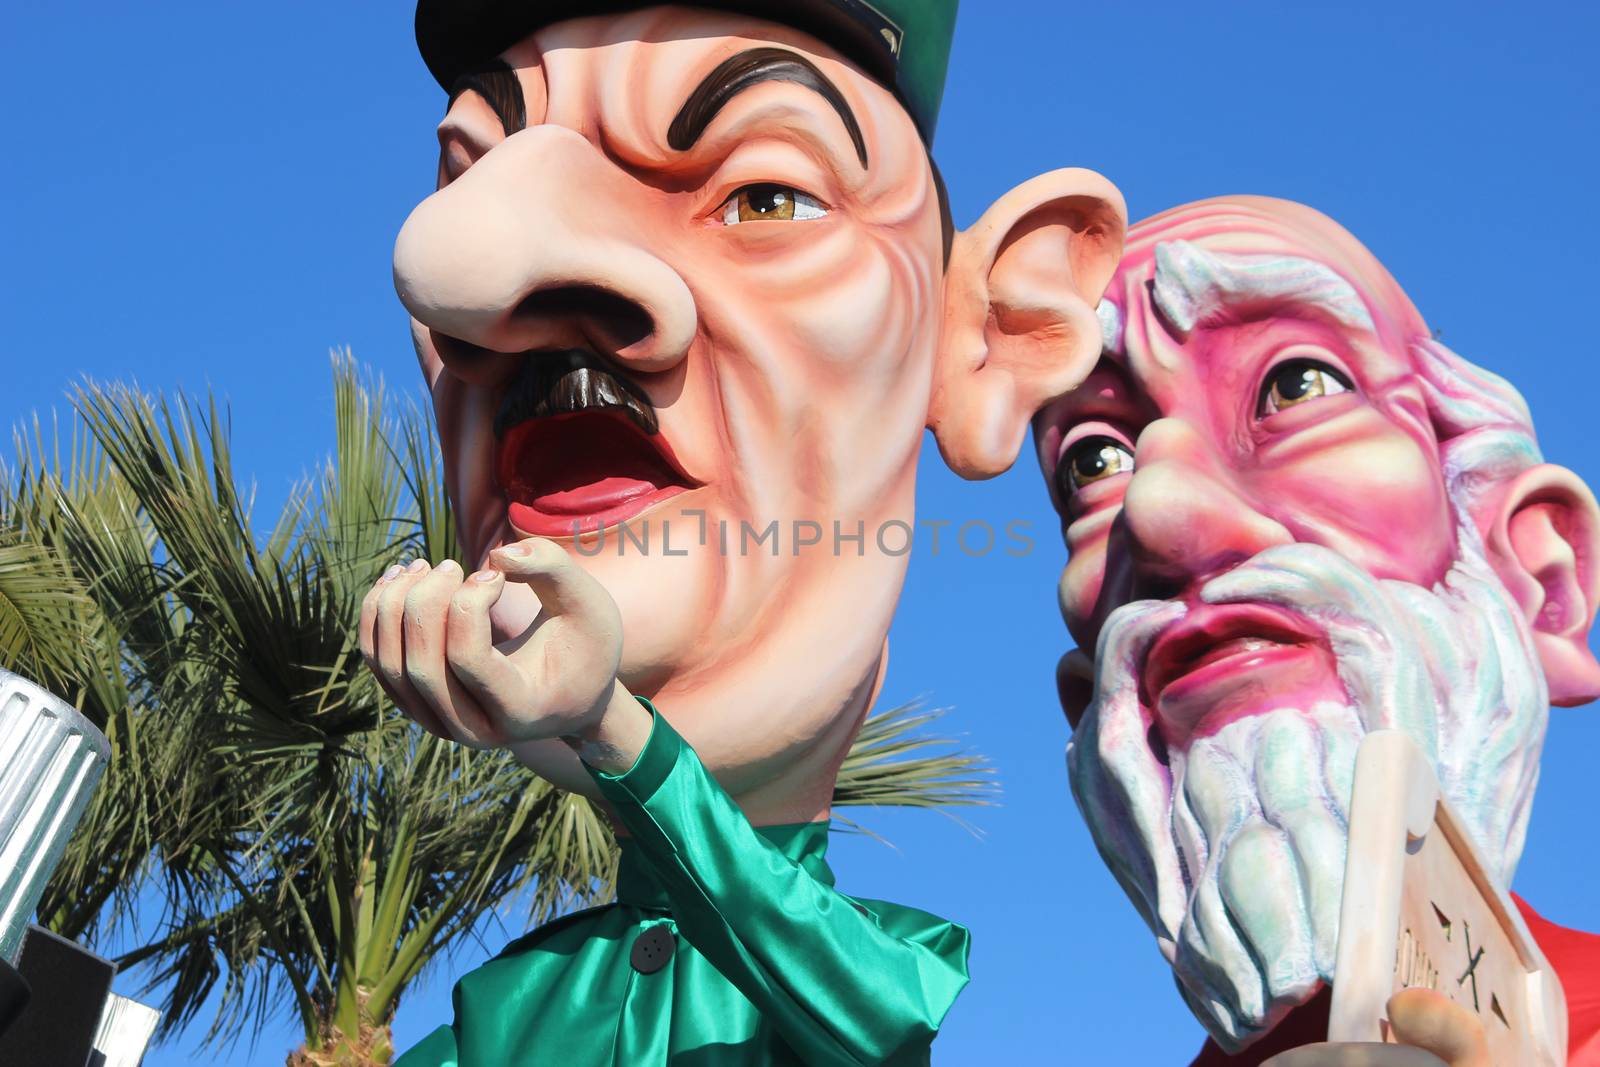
(803, 792)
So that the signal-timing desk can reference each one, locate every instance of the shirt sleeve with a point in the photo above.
(840, 983)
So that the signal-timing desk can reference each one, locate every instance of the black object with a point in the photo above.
(459, 36)
(70, 987)
(652, 949)
(14, 995)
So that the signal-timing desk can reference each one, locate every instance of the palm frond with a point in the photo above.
(895, 763)
(44, 611)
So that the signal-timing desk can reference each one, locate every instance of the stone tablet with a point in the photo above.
(1421, 909)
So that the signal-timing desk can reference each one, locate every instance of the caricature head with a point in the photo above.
(1294, 517)
(687, 272)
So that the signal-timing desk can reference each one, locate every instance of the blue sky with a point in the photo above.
(207, 194)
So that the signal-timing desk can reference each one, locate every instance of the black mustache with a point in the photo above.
(560, 383)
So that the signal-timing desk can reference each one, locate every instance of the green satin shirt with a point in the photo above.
(768, 964)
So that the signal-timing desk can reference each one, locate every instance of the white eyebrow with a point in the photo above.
(1110, 317)
(1194, 286)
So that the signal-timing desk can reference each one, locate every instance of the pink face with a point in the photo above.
(762, 280)
(1277, 415)
(1295, 518)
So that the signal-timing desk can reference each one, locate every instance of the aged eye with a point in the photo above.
(769, 202)
(1092, 459)
(1296, 382)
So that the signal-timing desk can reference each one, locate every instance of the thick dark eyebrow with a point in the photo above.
(744, 71)
(498, 85)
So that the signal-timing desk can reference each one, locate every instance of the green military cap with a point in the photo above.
(905, 44)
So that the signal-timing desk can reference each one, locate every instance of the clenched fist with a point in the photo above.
(426, 635)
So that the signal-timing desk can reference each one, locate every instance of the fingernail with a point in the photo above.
(486, 576)
(418, 566)
(518, 549)
(448, 566)
(392, 573)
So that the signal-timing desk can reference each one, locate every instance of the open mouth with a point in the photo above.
(579, 450)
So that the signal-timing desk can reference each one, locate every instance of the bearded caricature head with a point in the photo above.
(690, 272)
(1294, 517)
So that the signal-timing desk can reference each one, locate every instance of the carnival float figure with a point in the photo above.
(1295, 519)
(687, 298)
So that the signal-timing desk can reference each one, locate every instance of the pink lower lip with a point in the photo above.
(1235, 685)
(588, 509)
(1226, 666)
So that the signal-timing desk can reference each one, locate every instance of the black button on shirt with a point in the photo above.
(652, 949)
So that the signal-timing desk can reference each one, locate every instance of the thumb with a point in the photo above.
(563, 587)
(1429, 1020)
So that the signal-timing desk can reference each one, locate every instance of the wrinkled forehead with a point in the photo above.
(1224, 260)
(624, 78)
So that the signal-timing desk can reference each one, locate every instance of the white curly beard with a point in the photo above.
(1233, 850)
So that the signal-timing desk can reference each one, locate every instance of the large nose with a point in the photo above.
(539, 245)
(1186, 514)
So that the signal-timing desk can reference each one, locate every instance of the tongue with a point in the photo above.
(580, 464)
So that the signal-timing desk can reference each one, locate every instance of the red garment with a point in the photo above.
(1574, 955)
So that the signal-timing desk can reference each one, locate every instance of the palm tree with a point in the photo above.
(310, 849)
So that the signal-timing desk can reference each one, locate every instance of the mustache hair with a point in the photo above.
(569, 381)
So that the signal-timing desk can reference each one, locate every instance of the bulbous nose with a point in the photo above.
(1185, 514)
(540, 245)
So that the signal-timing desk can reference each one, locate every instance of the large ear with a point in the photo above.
(1075, 684)
(1544, 543)
(1019, 321)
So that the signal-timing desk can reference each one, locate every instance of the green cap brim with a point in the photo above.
(904, 44)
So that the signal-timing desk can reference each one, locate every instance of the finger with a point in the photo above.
(426, 606)
(389, 661)
(366, 631)
(563, 587)
(1430, 1021)
(484, 671)
(367, 636)
(572, 654)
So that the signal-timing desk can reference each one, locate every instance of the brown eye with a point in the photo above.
(1092, 459)
(768, 202)
(1296, 382)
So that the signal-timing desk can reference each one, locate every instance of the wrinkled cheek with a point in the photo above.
(1081, 583)
(850, 297)
(884, 345)
(856, 317)
(859, 310)
(1385, 508)
(461, 413)
(428, 360)
(1098, 577)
